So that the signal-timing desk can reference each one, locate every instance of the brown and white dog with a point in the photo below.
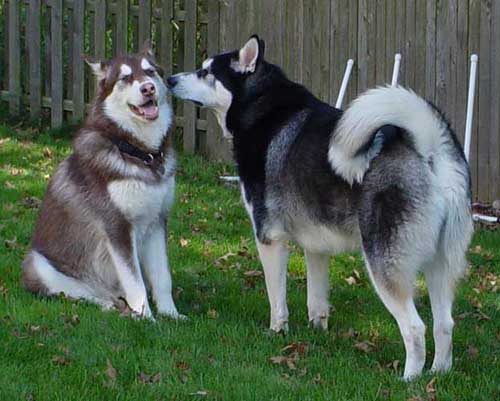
(101, 232)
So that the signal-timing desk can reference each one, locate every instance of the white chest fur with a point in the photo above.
(140, 202)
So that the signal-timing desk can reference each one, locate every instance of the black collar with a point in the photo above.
(149, 159)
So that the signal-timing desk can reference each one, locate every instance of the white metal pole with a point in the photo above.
(345, 81)
(470, 104)
(395, 71)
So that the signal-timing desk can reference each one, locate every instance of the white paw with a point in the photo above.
(319, 322)
(279, 326)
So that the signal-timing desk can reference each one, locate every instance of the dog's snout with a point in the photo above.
(171, 81)
(148, 89)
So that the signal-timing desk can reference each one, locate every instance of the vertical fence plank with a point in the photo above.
(78, 65)
(100, 29)
(121, 27)
(352, 90)
(189, 134)
(462, 78)
(484, 100)
(495, 105)
(366, 44)
(166, 47)
(338, 47)
(144, 21)
(400, 39)
(321, 50)
(390, 39)
(430, 51)
(380, 52)
(56, 87)
(409, 49)
(442, 55)
(420, 46)
(14, 59)
(474, 23)
(451, 65)
(33, 38)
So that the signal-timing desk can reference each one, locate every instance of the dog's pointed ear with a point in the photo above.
(248, 56)
(98, 67)
(146, 49)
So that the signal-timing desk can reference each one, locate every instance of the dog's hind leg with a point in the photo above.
(395, 288)
(40, 276)
(317, 289)
(441, 292)
(274, 258)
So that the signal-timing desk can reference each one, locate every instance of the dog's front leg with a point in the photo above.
(154, 260)
(274, 258)
(128, 271)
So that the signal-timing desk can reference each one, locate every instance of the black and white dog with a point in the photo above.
(388, 174)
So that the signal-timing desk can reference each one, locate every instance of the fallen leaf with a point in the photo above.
(253, 273)
(278, 360)
(350, 333)
(472, 351)
(60, 360)
(110, 371)
(351, 280)
(317, 379)
(184, 242)
(9, 185)
(212, 314)
(300, 348)
(201, 393)
(364, 346)
(12, 243)
(48, 153)
(431, 386)
(148, 379)
(182, 366)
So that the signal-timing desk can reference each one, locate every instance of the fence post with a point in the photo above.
(165, 51)
(33, 38)
(121, 27)
(56, 115)
(144, 22)
(189, 132)
(78, 65)
(14, 59)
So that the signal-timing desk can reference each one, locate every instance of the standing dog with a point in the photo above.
(101, 229)
(387, 174)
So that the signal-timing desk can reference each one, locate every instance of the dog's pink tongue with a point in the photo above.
(150, 111)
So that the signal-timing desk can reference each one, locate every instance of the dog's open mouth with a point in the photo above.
(148, 110)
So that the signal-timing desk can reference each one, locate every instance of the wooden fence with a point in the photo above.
(41, 67)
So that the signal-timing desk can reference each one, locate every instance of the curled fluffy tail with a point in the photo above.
(354, 142)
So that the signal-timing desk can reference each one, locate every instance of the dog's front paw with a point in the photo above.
(279, 326)
(172, 313)
(319, 323)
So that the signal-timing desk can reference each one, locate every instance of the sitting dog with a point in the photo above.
(387, 175)
(101, 232)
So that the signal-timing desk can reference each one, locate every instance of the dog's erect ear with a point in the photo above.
(99, 68)
(146, 49)
(249, 55)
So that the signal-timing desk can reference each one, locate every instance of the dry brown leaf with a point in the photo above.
(253, 273)
(212, 314)
(317, 379)
(364, 346)
(431, 386)
(278, 360)
(60, 360)
(12, 243)
(184, 242)
(299, 347)
(110, 371)
(472, 351)
(148, 379)
(351, 280)
(9, 185)
(48, 153)
(182, 366)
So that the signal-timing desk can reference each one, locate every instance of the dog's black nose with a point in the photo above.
(148, 89)
(171, 81)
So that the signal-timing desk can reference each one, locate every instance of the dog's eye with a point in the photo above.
(150, 72)
(124, 77)
(202, 73)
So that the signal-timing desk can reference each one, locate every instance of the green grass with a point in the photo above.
(59, 350)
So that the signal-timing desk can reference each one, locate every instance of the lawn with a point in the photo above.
(61, 350)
